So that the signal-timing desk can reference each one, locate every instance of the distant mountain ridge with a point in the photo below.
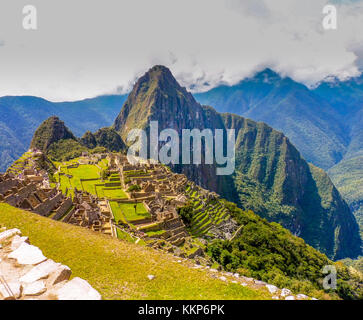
(325, 123)
(271, 178)
(21, 115)
(308, 120)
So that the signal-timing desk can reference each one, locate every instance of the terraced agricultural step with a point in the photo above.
(200, 222)
(199, 217)
(196, 212)
(227, 217)
(224, 215)
(206, 227)
(203, 227)
(203, 231)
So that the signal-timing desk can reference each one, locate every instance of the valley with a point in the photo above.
(324, 122)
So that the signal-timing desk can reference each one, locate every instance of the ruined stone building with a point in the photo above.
(28, 194)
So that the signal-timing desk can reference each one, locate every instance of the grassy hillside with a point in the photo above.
(118, 269)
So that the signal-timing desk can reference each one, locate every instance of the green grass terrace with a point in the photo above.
(125, 212)
(87, 177)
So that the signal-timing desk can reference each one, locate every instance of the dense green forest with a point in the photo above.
(271, 253)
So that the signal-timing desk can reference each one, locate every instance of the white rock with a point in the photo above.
(77, 289)
(259, 282)
(213, 270)
(223, 278)
(273, 289)
(236, 275)
(285, 292)
(314, 299)
(301, 296)
(151, 277)
(290, 298)
(57, 271)
(35, 289)
(234, 281)
(60, 274)
(17, 241)
(248, 279)
(14, 293)
(275, 298)
(243, 284)
(8, 234)
(27, 254)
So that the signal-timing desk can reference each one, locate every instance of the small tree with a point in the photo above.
(186, 213)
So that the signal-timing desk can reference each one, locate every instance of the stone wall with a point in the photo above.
(63, 208)
(69, 215)
(7, 185)
(22, 194)
(47, 206)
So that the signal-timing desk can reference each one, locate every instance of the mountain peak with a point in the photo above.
(267, 76)
(158, 77)
(51, 130)
(160, 69)
(156, 93)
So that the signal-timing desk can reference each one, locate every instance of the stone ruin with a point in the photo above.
(87, 158)
(26, 274)
(29, 190)
(90, 213)
(26, 192)
(164, 212)
(157, 178)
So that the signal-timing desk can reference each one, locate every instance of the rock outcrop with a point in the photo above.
(26, 274)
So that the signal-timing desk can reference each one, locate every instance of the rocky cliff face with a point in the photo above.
(270, 177)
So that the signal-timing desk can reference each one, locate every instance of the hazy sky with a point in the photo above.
(84, 48)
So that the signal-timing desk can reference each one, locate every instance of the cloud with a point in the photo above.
(83, 49)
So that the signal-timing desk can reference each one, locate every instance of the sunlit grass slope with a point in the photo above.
(118, 269)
